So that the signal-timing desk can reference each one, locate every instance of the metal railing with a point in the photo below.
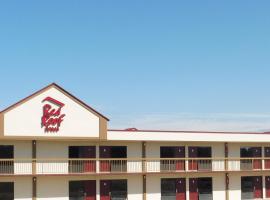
(129, 165)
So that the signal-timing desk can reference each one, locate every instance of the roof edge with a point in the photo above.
(59, 88)
(183, 131)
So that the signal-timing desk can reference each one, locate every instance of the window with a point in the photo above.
(118, 189)
(6, 191)
(251, 152)
(113, 189)
(251, 187)
(172, 152)
(113, 152)
(205, 188)
(200, 152)
(168, 189)
(7, 152)
(81, 190)
(81, 166)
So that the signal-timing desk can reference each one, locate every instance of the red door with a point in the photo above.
(89, 152)
(193, 189)
(267, 155)
(192, 153)
(257, 152)
(181, 189)
(267, 186)
(105, 152)
(257, 181)
(180, 153)
(105, 188)
(90, 190)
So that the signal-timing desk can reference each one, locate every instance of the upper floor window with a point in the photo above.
(77, 165)
(249, 153)
(110, 152)
(7, 153)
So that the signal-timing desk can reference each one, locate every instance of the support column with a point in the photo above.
(97, 159)
(34, 169)
(186, 156)
(227, 180)
(144, 169)
(34, 156)
(34, 188)
(187, 187)
(226, 153)
(143, 157)
(144, 187)
(263, 187)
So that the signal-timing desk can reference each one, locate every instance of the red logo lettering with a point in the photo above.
(52, 118)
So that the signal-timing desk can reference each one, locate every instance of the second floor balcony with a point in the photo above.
(68, 166)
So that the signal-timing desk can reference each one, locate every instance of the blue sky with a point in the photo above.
(148, 64)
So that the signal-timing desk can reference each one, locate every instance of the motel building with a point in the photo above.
(53, 146)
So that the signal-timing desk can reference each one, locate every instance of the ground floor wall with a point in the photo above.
(57, 188)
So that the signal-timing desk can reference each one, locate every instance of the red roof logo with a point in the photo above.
(52, 117)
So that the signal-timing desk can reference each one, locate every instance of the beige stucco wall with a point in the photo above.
(153, 151)
(22, 187)
(50, 149)
(22, 150)
(58, 188)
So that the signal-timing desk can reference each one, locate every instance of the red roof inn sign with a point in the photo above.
(52, 116)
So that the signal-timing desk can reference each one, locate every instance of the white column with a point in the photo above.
(263, 187)
(263, 157)
(187, 187)
(186, 155)
(97, 188)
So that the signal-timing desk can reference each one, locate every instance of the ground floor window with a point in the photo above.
(173, 189)
(82, 190)
(113, 190)
(205, 188)
(251, 187)
(6, 190)
(201, 188)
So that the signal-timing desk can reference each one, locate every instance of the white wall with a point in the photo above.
(187, 136)
(78, 122)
